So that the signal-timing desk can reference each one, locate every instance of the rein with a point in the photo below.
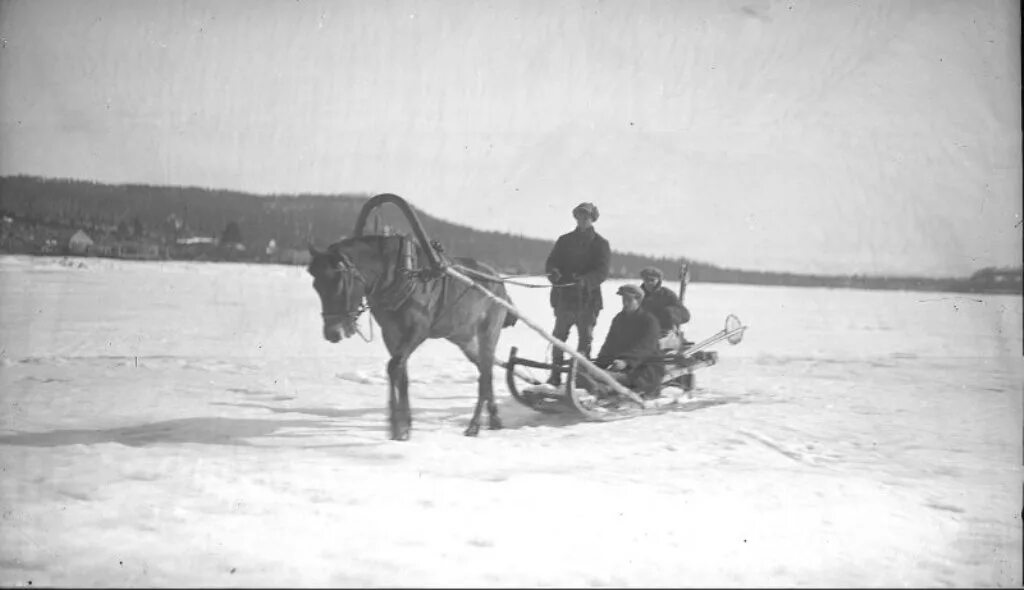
(508, 279)
(396, 284)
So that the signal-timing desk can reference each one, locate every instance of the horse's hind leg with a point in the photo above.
(474, 423)
(480, 350)
(471, 349)
(485, 392)
(493, 421)
(486, 387)
(489, 334)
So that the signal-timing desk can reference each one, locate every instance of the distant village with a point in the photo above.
(132, 241)
(65, 217)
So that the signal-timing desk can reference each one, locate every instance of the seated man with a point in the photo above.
(632, 345)
(664, 304)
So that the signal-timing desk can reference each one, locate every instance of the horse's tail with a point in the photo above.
(479, 270)
(510, 319)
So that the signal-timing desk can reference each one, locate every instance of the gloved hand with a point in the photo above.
(618, 365)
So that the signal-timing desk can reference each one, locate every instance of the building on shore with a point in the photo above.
(80, 243)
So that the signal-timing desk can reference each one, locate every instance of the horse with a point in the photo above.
(411, 305)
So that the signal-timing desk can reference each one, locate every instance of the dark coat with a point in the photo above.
(664, 304)
(580, 256)
(633, 337)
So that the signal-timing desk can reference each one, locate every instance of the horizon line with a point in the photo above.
(370, 194)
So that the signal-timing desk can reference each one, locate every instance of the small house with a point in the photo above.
(79, 243)
(195, 248)
(139, 250)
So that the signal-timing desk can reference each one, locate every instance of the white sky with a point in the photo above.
(810, 136)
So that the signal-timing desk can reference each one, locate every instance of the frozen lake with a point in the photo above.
(183, 424)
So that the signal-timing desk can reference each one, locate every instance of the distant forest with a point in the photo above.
(166, 214)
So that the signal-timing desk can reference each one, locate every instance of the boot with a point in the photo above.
(557, 359)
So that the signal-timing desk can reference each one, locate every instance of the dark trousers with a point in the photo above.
(645, 378)
(565, 319)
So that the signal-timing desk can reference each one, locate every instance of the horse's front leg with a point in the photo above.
(399, 412)
(405, 411)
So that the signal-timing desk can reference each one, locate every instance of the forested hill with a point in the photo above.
(165, 213)
(292, 221)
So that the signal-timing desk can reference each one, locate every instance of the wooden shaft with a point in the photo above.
(582, 360)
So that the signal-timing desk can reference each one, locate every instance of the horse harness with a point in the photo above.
(395, 285)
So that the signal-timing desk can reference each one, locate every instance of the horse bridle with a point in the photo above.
(349, 272)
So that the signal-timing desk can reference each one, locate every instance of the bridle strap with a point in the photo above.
(349, 270)
(354, 316)
(334, 317)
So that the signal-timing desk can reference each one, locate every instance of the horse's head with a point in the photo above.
(341, 288)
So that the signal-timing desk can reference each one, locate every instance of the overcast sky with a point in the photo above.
(819, 136)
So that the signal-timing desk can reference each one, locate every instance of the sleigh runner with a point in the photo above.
(593, 399)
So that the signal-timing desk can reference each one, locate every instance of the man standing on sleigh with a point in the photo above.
(576, 267)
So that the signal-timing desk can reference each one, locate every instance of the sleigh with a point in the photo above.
(466, 303)
(596, 394)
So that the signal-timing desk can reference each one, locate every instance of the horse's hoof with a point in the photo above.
(494, 424)
(401, 435)
(473, 430)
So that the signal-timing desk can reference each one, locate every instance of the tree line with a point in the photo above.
(168, 213)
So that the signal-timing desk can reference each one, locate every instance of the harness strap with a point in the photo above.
(396, 284)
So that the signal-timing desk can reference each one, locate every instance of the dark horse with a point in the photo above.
(411, 305)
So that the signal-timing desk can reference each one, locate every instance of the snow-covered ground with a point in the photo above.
(185, 424)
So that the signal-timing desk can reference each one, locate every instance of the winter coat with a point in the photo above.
(633, 337)
(580, 256)
(664, 304)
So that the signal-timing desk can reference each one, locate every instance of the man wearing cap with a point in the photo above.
(632, 345)
(576, 267)
(664, 304)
